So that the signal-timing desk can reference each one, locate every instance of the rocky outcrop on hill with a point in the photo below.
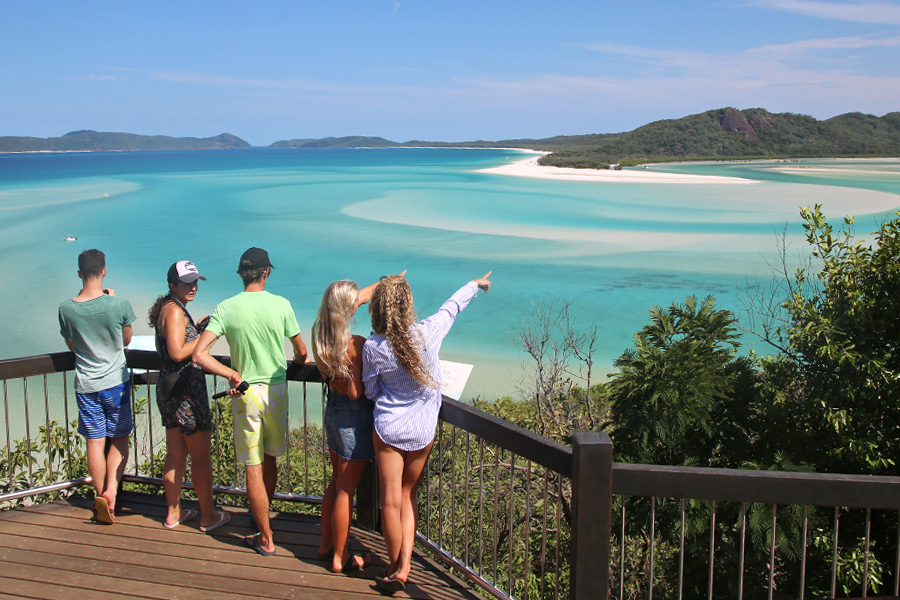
(734, 120)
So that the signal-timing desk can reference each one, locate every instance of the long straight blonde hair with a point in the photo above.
(392, 315)
(331, 331)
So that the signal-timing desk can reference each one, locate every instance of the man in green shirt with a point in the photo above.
(96, 325)
(255, 324)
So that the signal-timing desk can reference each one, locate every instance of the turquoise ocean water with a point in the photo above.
(612, 249)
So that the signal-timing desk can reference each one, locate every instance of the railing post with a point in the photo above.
(367, 514)
(592, 459)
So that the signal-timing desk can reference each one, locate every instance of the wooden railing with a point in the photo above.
(521, 515)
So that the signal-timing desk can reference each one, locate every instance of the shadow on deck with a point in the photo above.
(54, 550)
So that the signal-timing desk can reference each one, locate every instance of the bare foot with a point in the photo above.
(102, 510)
(111, 500)
(351, 563)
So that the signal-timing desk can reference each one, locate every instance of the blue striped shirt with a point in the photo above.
(406, 413)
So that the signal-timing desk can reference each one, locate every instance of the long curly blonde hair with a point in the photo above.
(392, 315)
(331, 331)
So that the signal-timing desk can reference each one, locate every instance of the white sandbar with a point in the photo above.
(529, 167)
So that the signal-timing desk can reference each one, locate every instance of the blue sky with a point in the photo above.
(432, 69)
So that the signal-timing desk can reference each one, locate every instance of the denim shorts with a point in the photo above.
(348, 426)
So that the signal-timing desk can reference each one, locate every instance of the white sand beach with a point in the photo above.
(529, 167)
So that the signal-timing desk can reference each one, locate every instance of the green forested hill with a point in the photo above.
(358, 141)
(87, 140)
(350, 141)
(720, 133)
(751, 133)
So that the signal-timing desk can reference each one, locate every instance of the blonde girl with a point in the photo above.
(347, 420)
(402, 374)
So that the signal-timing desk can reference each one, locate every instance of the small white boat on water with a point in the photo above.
(70, 238)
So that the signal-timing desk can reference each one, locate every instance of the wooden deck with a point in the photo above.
(54, 550)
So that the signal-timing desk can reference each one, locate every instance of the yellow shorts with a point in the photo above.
(260, 422)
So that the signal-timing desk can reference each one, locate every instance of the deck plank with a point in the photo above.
(49, 550)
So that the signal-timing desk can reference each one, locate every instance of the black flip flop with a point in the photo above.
(390, 585)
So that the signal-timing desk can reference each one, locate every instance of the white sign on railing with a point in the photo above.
(455, 377)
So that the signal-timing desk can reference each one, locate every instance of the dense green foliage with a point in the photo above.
(56, 453)
(84, 141)
(837, 378)
(683, 395)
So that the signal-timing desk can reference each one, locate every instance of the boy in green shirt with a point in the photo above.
(255, 324)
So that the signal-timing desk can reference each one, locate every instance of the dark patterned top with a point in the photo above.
(187, 406)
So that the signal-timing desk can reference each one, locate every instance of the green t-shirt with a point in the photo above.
(95, 329)
(255, 325)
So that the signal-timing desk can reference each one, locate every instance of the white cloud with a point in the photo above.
(844, 43)
(885, 13)
(764, 61)
(94, 78)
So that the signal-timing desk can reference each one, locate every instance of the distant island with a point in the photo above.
(99, 141)
(724, 133)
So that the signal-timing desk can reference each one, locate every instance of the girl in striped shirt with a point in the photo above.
(402, 374)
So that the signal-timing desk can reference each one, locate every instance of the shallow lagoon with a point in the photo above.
(613, 249)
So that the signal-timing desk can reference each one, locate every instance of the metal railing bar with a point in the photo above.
(544, 534)
(28, 432)
(897, 561)
(865, 579)
(150, 431)
(45, 489)
(622, 557)
(527, 524)
(47, 432)
(428, 495)
(680, 550)
(216, 415)
(712, 547)
(481, 506)
(496, 497)
(772, 552)
(224, 489)
(453, 502)
(235, 462)
(133, 402)
(324, 441)
(305, 450)
(652, 545)
(468, 471)
(512, 504)
(9, 464)
(440, 486)
(68, 432)
(834, 557)
(559, 490)
(743, 550)
(465, 570)
(803, 553)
